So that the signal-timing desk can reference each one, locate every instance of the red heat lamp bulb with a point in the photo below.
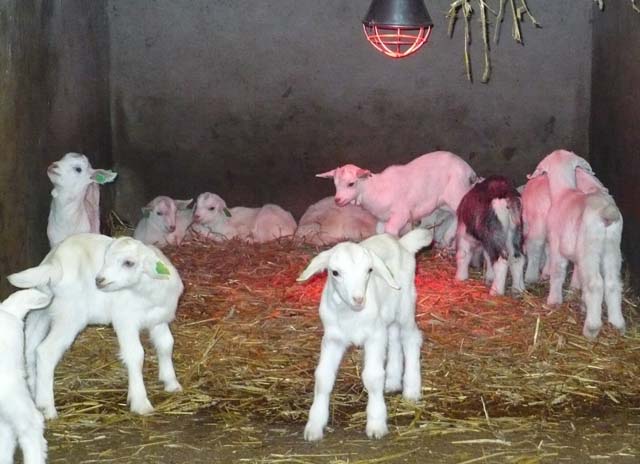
(397, 28)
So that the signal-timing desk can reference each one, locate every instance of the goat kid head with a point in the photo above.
(564, 163)
(349, 268)
(346, 179)
(161, 211)
(125, 261)
(73, 172)
(210, 208)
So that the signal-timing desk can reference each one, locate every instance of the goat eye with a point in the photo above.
(77, 169)
(351, 184)
(128, 263)
(212, 208)
(159, 213)
(370, 270)
(335, 273)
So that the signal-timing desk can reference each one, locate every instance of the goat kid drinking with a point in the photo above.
(490, 217)
(586, 229)
(369, 300)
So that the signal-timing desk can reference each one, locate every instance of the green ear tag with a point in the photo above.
(145, 213)
(100, 179)
(227, 212)
(162, 269)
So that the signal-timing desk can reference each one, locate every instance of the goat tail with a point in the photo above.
(610, 214)
(416, 239)
(39, 276)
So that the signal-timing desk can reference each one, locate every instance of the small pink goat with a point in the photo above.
(586, 229)
(403, 194)
(325, 223)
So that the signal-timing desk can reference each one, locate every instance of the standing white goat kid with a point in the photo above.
(212, 219)
(19, 418)
(96, 279)
(75, 198)
(163, 222)
(369, 300)
(402, 194)
(586, 229)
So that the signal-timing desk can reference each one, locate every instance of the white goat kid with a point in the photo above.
(96, 279)
(585, 229)
(20, 420)
(75, 198)
(536, 201)
(405, 193)
(325, 223)
(159, 224)
(369, 300)
(212, 219)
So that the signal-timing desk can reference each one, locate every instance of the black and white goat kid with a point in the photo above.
(490, 218)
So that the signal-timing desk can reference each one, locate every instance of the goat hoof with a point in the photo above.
(412, 396)
(142, 407)
(590, 332)
(49, 412)
(377, 429)
(313, 432)
(392, 386)
(172, 387)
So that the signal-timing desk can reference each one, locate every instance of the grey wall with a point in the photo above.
(53, 99)
(250, 98)
(615, 118)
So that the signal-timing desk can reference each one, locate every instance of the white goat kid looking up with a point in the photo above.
(585, 228)
(20, 420)
(212, 219)
(75, 198)
(402, 194)
(369, 300)
(163, 222)
(96, 279)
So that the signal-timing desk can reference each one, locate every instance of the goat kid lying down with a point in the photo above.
(369, 300)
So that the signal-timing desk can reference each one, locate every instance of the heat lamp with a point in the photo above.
(397, 28)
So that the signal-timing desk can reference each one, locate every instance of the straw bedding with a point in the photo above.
(248, 336)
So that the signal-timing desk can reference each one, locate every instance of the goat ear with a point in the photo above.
(381, 269)
(537, 173)
(589, 183)
(584, 165)
(328, 174)
(183, 204)
(156, 268)
(317, 264)
(103, 176)
(360, 173)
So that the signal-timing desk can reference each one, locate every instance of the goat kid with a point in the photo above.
(75, 198)
(20, 420)
(96, 279)
(402, 194)
(490, 217)
(586, 229)
(369, 300)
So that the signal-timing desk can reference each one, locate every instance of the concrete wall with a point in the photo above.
(53, 99)
(250, 98)
(615, 118)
